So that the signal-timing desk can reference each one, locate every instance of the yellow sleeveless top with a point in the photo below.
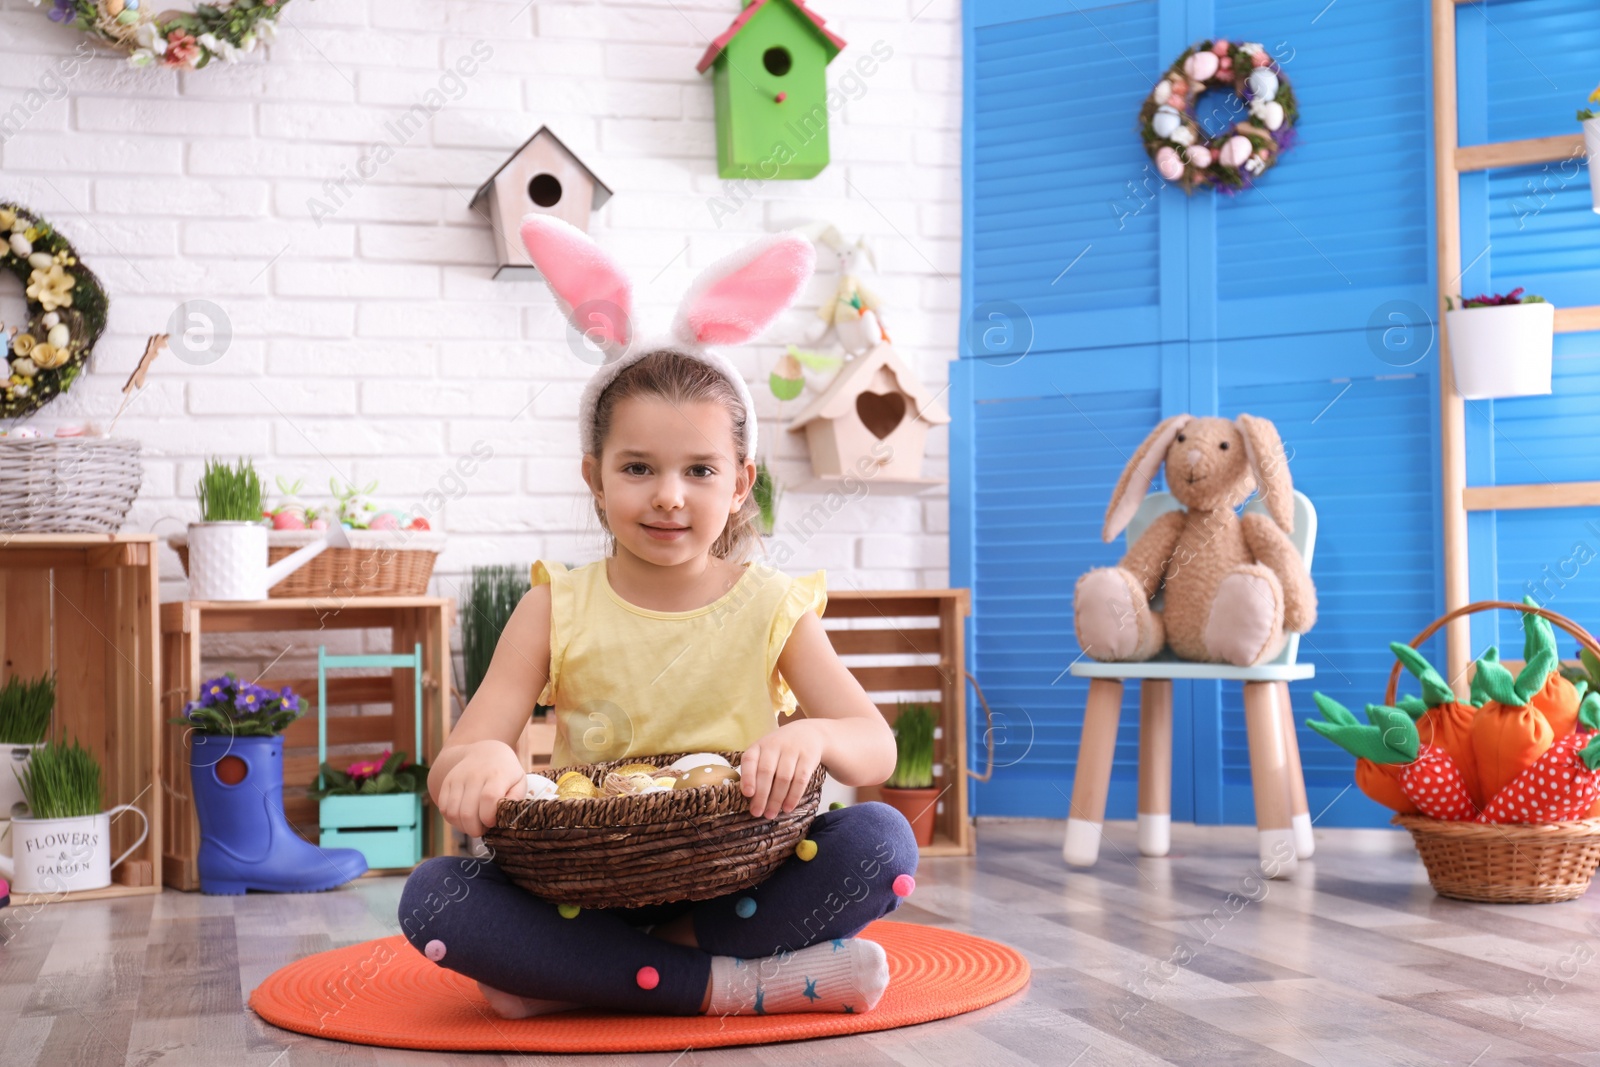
(629, 681)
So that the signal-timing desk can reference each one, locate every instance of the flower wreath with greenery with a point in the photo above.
(184, 39)
(1182, 150)
(66, 313)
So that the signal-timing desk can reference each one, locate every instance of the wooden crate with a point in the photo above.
(925, 629)
(409, 620)
(84, 606)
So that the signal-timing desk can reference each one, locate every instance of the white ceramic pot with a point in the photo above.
(13, 761)
(228, 561)
(65, 855)
(1591, 142)
(1501, 351)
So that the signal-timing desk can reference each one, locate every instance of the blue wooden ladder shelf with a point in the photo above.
(386, 828)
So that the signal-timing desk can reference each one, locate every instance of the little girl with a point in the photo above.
(671, 644)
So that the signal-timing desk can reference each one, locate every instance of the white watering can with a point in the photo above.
(63, 855)
(228, 560)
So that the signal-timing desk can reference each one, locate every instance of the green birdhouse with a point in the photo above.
(769, 70)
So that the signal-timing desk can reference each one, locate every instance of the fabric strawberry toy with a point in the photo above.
(1427, 774)
(1562, 785)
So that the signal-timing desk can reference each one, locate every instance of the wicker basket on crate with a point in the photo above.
(1504, 863)
(630, 851)
(377, 563)
(67, 484)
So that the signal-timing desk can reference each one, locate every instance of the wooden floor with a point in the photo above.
(1187, 960)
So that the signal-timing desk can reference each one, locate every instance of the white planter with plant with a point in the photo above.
(64, 843)
(25, 708)
(1591, 144)
(228, 546)
(1501, 346)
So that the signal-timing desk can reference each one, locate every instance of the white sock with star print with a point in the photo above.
(844, 975)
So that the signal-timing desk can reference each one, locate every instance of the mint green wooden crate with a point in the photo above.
(386, 828)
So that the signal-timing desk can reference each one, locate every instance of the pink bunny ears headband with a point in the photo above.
(732, 301)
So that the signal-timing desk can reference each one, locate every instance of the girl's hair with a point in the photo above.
(678, 379)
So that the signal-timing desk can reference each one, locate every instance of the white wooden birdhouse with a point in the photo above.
(871, 422)
(542, 176)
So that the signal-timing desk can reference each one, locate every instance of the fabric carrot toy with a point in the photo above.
(1558, 699)
(1508, 733)
(1442, 721)
(1446, 723)
(1428, 776)
(1562, 785)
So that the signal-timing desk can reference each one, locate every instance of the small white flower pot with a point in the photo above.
(1591, 143)
(13, 764)
(1502, 351)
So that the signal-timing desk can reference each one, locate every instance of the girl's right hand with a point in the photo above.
(490, 770)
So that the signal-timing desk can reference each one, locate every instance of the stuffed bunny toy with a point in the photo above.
(1234, 584)
(852, 310)
(733, 301)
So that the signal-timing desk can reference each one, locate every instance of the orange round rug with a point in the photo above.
(385, 992)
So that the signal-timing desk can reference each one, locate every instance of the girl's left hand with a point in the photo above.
(775, 770)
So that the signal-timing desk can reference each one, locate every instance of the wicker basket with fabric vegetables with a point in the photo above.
(1500, 792)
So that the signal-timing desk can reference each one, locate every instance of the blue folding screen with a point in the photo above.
(1097, 301)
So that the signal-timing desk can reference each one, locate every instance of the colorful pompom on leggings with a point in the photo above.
(465, 914)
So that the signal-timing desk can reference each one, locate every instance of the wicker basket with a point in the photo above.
(67, 484)
(377, 563)
(630, 851)
(1504, 863)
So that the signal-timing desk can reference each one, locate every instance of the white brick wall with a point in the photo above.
(371, 343)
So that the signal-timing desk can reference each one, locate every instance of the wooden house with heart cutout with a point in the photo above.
(871, 422)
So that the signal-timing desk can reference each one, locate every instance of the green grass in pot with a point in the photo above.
(493, 593)
(913, 739)
(766, 493)
(25, 708)
(230, 493)
(62, 782)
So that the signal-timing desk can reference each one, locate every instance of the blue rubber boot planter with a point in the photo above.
(246, 841)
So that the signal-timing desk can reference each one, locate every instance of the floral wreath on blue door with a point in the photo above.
(1180, 147)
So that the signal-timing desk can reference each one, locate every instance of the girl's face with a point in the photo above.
(667, 477)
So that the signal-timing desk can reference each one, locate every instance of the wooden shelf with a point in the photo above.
(84, 607)
(110, 892)
(930, 623)
(853, 485)
(410, 619)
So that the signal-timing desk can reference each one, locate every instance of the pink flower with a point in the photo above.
(367, 768)
(182, 50)
(1260, 59)
(1225, 67)
(1220, 47)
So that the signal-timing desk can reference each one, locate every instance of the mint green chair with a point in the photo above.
(386, 828)
(1283, 818)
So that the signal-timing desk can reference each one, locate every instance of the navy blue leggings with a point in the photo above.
(491, 930)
